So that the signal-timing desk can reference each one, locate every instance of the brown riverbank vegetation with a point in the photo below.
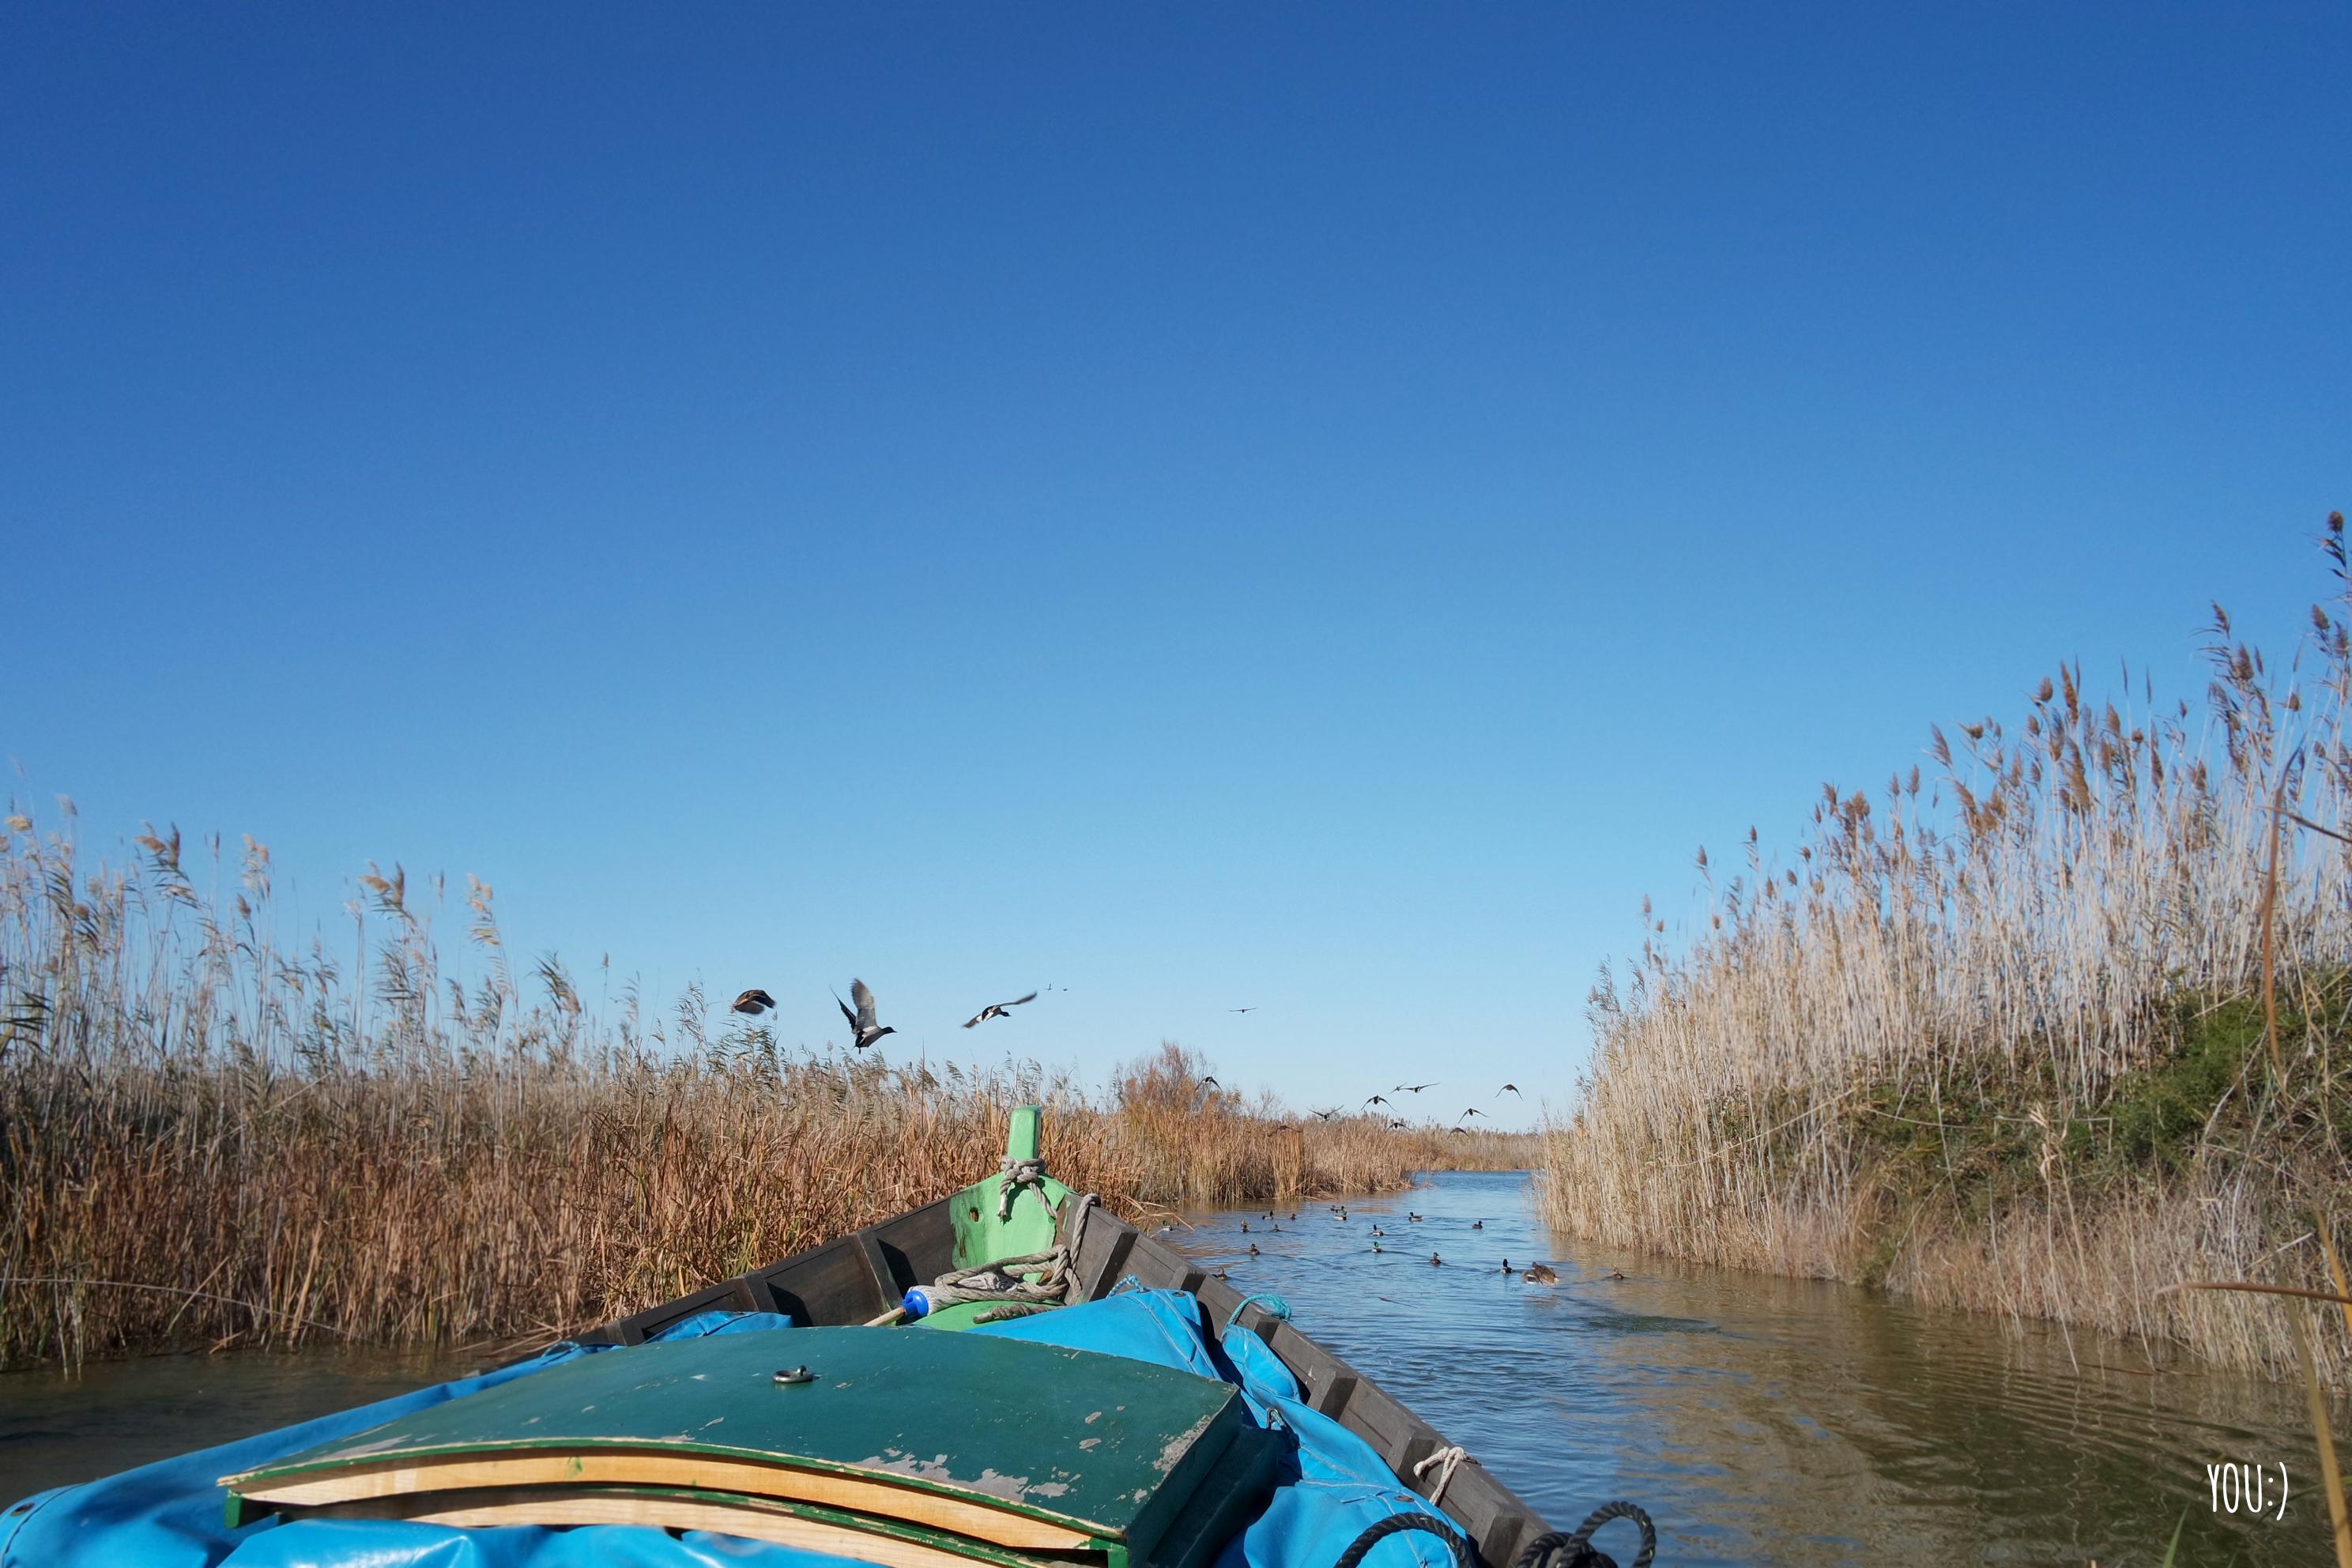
(210, 1139)
(1996, 1036)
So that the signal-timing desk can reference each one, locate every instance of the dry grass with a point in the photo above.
(1998, 1038)
(287, 1145)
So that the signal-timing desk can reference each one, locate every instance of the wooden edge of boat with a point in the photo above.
(413, 1476)
(856, 1277)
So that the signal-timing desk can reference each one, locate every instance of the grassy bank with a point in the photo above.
(210, 1140)
(1996, 1036)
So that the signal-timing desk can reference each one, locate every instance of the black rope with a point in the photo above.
(1382, 1530)
(1575, 1550)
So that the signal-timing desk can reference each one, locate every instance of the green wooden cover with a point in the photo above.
(1099, 1443)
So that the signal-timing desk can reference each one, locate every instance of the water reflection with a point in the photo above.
(1774, 1421)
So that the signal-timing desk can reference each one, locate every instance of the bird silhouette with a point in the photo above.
(1378, 1100)
(1241, 1009)
(1411, 1088)
(1397, 1124)
(1325, 1115)
(1507, 1265)
(864, 1029)
(1477, 1224)
(1474, 1110)
(996, 1010)
(754, 1002)
(1512, 1089)
(1208, 1080)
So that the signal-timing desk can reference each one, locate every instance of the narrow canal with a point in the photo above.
(1766, 1421)
(1762, 1422)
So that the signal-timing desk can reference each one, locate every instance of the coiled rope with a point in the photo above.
(1395, 1523)
(1575, 1550)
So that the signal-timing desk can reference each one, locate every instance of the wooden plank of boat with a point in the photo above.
(811, 1529)
(693, 1472)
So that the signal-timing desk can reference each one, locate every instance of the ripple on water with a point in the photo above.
(1775, 1421)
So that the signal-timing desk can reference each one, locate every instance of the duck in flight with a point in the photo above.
(864, 1029)
(1325, 1115)
(1377, 1100)
(1510, 1088)
(996, 1010)
(754, 1002)
(1411, 1088)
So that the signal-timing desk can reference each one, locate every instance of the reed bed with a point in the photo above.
(212, 1139)
(1996, 1035)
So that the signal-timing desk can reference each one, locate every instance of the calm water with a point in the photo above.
(1761, 1421)
(1770, 1420)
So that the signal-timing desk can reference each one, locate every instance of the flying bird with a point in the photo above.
(1474, 1110)
(1325, 1115)
(1394, 1125)
(1510, 1088)
(1411, 1088)
(865, 1031)
(996, 1010)
(1378, 1100)
(755, 1001)
(1241, 1009)
(1208, 1080)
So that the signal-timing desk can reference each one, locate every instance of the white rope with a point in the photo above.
(1448, 1460)
(1019, 1174)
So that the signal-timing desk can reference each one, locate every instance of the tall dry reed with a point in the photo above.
(211, 1138)
(1992, 1037)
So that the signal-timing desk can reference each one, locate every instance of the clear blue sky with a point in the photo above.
(1312, 508)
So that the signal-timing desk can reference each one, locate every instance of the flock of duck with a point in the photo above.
(865, 1028)
(1536, 1274)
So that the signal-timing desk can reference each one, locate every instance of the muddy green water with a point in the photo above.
(1763, 1421)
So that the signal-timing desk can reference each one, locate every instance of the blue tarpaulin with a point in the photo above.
(170, 1514)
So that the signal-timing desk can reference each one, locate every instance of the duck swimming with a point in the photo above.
(1542, 1274)
(1435, 1261)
